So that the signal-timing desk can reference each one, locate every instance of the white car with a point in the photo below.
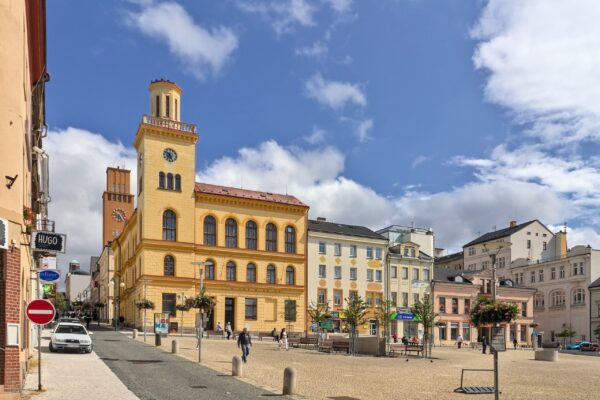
(70, 336)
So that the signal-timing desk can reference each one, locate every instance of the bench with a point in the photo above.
(294, 342)
(413, 348)
(262, 335)
(326, 345)
(215, 334)
(341, 345)
(310, 340)
(396, 349)
(474, 389)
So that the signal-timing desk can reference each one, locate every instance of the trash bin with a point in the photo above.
(157, 339)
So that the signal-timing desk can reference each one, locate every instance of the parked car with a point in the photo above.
(589, 346)
(71, 336)
(573, 346)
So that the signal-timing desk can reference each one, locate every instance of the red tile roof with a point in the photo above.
(207, 188)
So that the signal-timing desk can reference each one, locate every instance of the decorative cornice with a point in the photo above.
(163, 131)
(252, 203)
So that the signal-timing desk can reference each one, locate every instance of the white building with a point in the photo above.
(595, 309)
(76, 283)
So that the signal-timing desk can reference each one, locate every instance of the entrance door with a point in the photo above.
(373, 327)
(230, 312)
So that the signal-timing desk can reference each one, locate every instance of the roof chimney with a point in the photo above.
(513, 224)
(322, 219)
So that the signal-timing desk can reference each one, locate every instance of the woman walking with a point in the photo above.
(283, 341)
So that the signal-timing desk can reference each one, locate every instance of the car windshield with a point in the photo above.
(74, 329)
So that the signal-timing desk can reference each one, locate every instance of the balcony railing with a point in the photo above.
(44, 225)
(168, 123)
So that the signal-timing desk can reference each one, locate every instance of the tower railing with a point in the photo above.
(168, 123)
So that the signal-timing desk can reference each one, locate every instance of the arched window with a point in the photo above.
(178, 182)
(161, 180)
(169, 266)
(271, 238)
(230, 233)
(251, 233)
(210, 231)
(169, 225)
(170, 181)
(230, 271)
(290, 239)
(251, 273)
(271, 274)
(209, 270)
(290, 276)
(538, 300)
(578, 296)
(558, 298)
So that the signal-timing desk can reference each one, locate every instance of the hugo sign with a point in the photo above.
(48, 241)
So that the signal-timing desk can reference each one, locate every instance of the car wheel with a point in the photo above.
(51, 348)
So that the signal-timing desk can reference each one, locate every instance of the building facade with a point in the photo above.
(594, 289)
(106, 284)
(345, 261)
(76, 283)
(117, 203)
(450, 261)
(246, 248)
(454, 293)
(24, 173)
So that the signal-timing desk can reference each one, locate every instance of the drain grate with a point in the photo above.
(144, 361)
(198, 386)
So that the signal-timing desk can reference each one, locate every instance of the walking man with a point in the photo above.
(228, 330)
(459, 341)
(244, 341)
(484, 343)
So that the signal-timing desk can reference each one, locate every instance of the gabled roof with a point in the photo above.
(501, 233)
(595, 284)
(207, 188)
(343, 229)
(449, 257)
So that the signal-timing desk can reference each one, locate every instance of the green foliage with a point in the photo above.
(567, 332)
(145, 304)
(485, 311)
(355, 311)
(77, 303)
(384, 315)
(99, 305)
(60, 302)
(86, 306)
(202, 302)
(183, 307)
(318, 312)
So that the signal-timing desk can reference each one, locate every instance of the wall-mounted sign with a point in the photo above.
(48, 241)
(405, 316)
(334, 314)
(48, 263)
(3, 234)
(49, 275)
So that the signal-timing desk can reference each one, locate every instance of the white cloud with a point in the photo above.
(419, 160)
(583, 235)
(201, 50)
(340, 6)
(78, 162)
(317, 50)
(363, 130)
(334, 94)
(543, 60)
(317, 136)
(283, 16)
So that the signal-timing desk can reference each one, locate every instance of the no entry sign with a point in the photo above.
(40, 312)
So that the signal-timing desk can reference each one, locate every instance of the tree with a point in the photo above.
(356, 314)
(60, 302)
(384, 315)
(318, 313)
(567, 332)
(423, 312)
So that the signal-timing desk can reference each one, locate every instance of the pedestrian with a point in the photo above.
(228, 330)
(459, 341)
(121, 321)
(395, 337)
(88, 319)
(219, 329)
(515, 343)
(404, 340)
(274, 335)
(283, 341)
(484, 343)
(244, 341)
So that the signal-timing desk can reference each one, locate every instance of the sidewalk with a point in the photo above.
(74, 376)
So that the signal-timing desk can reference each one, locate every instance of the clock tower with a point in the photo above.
(117, 203)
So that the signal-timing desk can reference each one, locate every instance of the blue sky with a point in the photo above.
(443, 113)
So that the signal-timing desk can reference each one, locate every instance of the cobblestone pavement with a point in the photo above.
(67, 376)
(155, 375)
(337, 376)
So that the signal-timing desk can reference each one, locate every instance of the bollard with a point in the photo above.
(157, 339)
(174, 346)
(135, 333)
(289, 381)
(237, 368)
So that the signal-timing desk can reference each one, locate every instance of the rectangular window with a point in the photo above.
(415, 274)
(251, 309)
(168, 303)
(157, 102)
(454, 305)
(426, 274)
(290, 310)
(524, 309)
(485, 264)
(415, 298)
(467, 306)
(168, 106)
(523, 333)
(321, 247)
(453, 330)
(369, 252)
(322, 271)
(370, 275)
(466, 331)
(544, 245)
(337, 297)
(581, 270)
(574, 269)
(353, 273)
(552, 273)
(528, 243)
(337, 249)
(394, 272)
(532, 279)
(541, 275)
(378, 275)
(471, 251)
(561, 271)
(404, 299)
(322, 296)
(352, 294)
(353, 250)
(394, 298)
(175, 111)
(442, 333)
(337, 272)
(378, 253)
(250, 273)
(404, 273)
(501, 262)
(442, 305)
(378, 300)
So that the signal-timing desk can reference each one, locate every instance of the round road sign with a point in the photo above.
(40, 312)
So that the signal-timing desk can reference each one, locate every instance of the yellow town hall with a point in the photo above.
(249, 246)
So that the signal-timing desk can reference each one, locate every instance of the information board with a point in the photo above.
(161, 323)
(498, 339)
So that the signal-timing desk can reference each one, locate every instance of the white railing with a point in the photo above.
(168, 123)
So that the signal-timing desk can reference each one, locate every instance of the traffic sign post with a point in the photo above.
(40, 312)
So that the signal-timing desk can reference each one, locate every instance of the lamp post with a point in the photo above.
(199, 329)
(145, 308)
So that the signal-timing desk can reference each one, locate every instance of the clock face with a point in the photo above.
(119, 215)
(170, 155)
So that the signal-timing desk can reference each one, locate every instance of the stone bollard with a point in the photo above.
(289, 381)
(135, 333)
(174, 346)
(237, 368)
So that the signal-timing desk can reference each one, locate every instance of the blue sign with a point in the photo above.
(49, 275)
(405, 316)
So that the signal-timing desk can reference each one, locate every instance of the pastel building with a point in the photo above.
(595, 309)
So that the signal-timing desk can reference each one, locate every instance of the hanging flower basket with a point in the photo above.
(145, 305)
(99, 305)
(439, 323)
(182, 307)
(487, 312)
(534, 325)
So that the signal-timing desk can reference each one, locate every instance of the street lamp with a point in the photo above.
(199, 329)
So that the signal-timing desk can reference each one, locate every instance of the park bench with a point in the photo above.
(294, 342)
(474, 389)
(396, 349)
(262, 335)
(309, 340)
(413, 348)
(475, 345)
(341, 345)
(326, 345)
(213, 334)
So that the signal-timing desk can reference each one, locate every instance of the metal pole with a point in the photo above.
(200, 337)
(145, 291)
(39, 358)
(496, 389)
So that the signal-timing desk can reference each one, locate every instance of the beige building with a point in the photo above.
(410, 263)
(450, 261)
(24, 173)
(345, 261)
(105, 284)
(595, 309)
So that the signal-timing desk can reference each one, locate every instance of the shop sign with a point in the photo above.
(48, 241)
(335, 314)
(161, 323)
(405, 316)
(327, 324)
